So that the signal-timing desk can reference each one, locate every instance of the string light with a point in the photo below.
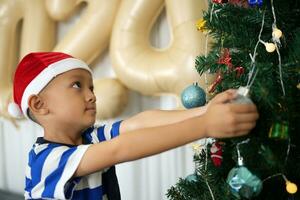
(289, 186)
(276, 34)
(270, 47)
(253, 56)
(276, 40)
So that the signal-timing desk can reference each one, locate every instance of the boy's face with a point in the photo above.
(71, 100)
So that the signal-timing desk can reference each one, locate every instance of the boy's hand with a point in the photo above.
(223, 119)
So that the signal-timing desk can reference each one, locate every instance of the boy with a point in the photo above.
(75, 159)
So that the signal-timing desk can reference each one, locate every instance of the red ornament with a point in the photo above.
(216, 154)
(239, 71)
(215, 83)
(225, 58)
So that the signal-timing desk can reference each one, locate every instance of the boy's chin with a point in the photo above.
(91, 122)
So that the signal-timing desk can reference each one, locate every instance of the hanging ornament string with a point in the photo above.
(280, 69)
(252, 75)
(287, 151)
(240, 158)
(276, 34)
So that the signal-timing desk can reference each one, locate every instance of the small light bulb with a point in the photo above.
(270, 47)
(277, 33)
(291, 187)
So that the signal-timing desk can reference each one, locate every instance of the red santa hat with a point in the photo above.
(34, 72)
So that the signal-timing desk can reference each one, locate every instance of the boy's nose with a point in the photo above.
(91, 97)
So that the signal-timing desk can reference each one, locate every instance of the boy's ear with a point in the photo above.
(37, 105)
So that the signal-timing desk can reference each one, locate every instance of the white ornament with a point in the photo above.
(270, 47)
(14, 110)
(242, 96)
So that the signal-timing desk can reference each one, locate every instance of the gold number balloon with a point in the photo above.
(87, 39)
(24, 27)
(149, 70)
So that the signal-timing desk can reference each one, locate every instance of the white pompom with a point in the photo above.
(14, 110)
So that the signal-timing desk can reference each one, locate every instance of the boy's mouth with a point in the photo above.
(91, 108)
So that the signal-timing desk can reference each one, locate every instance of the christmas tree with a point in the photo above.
(255, 46)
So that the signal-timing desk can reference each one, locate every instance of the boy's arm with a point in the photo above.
(153, 118)
(221, 120)
(138, 144)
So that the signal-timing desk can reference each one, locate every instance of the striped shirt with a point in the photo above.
(52, 165)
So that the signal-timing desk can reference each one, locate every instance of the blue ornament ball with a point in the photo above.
(243, 183)
(255, 2)
(193, 96)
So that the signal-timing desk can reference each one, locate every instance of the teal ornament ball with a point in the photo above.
(243, 183)
(193, 96)
(191, 178)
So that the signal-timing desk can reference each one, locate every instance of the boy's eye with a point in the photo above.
(92, 88)
(76, 85)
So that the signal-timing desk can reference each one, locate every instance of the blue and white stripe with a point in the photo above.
(51, 167)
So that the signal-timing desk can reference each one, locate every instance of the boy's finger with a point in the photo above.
(231, 91)
(225, 96)
(243, 108)
(244, 128)
(246, 118)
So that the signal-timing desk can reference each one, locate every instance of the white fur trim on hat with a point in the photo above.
(45, 76)
(14, 110)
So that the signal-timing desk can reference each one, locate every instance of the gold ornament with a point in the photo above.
(298, 86)
(200, 24)
(291, 187)
(270, 47)
(277, 33)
